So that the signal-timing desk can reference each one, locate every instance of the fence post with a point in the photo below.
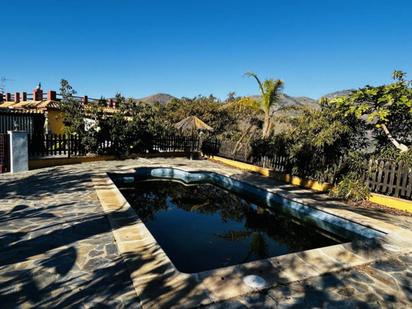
(398, 179)
(69, 140)
(64, 143)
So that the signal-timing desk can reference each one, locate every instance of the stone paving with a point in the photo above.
(57, 250)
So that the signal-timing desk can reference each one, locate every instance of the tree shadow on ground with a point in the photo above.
(45, 182)
(44, 287)
(43, 271)
(58, 254)
(365, 286)
(50, 181)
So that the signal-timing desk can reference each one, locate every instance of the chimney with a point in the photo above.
(85, 100)
(51, 95)
(23, 96)
(8, 97)
(110, 103)
(38, 93)
(17, 97)
(1, 97)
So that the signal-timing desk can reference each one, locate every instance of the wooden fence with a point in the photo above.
(243, 153)
(385, 177)
(52, 145)
(48, 145)
(389, 178)
(176, 144)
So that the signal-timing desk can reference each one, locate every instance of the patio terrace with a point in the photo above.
(58, 249)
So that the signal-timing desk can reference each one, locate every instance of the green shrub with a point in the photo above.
(351, 187)
(390, 153)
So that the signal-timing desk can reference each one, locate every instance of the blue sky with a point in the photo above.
(187, 48)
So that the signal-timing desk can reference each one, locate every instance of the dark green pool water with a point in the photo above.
(202, 227)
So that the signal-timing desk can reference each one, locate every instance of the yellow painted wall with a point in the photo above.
(306, 183)
(294, 180)
(391, 201)
(242, 165)
(55, 121)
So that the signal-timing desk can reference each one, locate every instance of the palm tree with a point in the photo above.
(270, 90)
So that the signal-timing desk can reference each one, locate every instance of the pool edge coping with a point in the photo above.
(219, 284)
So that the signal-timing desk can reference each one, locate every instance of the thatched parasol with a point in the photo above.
(192, 124)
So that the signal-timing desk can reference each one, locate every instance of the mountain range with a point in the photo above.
(286, 100)
(340, 93)
(161, 98)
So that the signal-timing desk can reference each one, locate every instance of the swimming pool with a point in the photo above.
(204, 220)
(202, 226)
